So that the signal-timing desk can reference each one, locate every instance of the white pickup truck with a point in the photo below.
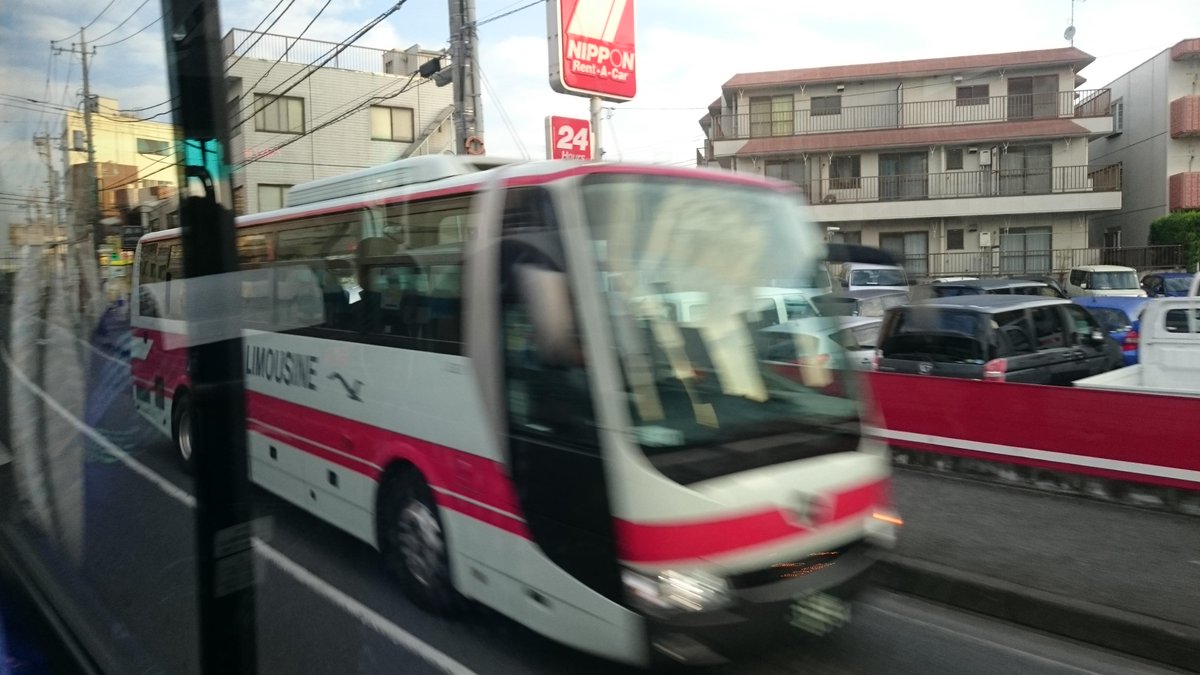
(1168, 352)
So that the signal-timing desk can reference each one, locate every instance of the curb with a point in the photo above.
(1144, 636)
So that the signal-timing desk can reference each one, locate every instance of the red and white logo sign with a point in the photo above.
(592, 48)
(568, 138)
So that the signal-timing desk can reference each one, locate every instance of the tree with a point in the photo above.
(1181, 228)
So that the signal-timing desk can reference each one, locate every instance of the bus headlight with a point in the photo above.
(693, 591)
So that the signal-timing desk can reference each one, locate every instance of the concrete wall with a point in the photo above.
(340, 148)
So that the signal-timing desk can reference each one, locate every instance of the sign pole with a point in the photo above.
(597, 148)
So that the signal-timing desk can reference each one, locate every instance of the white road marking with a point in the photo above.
(171, 490)
(366, 615)
(982, 641)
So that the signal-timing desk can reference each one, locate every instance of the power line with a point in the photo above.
(118, 26)
(137, 32)
(238, 57)
(497, 17)
(285, 52)
(512, 129)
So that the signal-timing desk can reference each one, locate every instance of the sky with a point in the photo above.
(685, 50)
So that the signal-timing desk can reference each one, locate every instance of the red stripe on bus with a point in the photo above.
(369, 449)
(506, 522)
(662, 542)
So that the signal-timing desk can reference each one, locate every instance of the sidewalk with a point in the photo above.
(1120, 577)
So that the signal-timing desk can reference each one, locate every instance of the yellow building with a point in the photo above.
(138, 154)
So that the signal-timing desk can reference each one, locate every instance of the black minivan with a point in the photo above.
(1005, 338)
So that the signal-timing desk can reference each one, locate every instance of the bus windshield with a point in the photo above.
(705, 379)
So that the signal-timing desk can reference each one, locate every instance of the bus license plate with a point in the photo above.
(819, 613)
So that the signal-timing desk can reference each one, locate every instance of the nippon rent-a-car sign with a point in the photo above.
(592, 48)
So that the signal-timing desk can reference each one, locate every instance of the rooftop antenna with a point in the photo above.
(1069, 33)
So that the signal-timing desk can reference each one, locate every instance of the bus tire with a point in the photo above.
(181, 432)
(413, 542)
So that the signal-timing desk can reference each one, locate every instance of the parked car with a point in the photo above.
(1167, 284)
(854, 336)
(1121, 317)
(999, 286)
(859, 303)
(1049, 281)
(1003, 338)
(1103, 280)
(774, 305)
(855, 276)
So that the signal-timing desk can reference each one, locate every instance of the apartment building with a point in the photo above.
(135, 158)
(1155, 140)
(961, 165)
(362, 108)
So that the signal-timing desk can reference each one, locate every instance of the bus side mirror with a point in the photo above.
(547, 296)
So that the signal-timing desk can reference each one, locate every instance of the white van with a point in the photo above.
(1103, 280)
(855, 276)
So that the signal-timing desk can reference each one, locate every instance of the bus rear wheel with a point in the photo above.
(181, 432)
(413, 542)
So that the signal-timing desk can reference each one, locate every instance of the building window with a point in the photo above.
(271, 197)
(911, 248)
(391, 124)
(845, 172)
(827, 105)
(971, 94)
(282, 114)
(771, 115)
(1118, 115)
(150, 146)
(954, 159)
(954, 240)
(788, 169)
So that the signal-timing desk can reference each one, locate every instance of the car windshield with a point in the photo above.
(878, 277)
(708, 380)
(935, 334)
(1177, 284)
(1114, 281)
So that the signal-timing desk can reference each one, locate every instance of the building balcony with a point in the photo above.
(1185, 117)
(1184, 191)
(1078, 105)
(1056, 262)
(983, 192)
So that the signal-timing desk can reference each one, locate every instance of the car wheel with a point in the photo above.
(181, 432)
(413, 542)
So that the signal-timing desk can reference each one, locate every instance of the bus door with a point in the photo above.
(553, 442)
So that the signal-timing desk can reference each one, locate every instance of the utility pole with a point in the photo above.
(42, 143)
(468, 107)
(90, 215)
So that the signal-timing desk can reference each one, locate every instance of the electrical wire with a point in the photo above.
(259, 34)
(285, 52)
(512, 129)
(497, 17)
(126, 20)
(89, 24)
(137, 32)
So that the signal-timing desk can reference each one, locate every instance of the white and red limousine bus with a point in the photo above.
(468, 367)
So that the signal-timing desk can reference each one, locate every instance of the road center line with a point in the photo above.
(366, 615)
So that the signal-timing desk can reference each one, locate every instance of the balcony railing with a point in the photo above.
(268, 46)
(1055, 262)
(956, 184)
(896, 115)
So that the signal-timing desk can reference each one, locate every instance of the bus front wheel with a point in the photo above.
(181, 432)
(413, 542)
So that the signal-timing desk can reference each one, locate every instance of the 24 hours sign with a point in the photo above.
(592, 51)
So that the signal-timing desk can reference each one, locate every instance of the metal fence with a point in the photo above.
(239, 43)
(1054, 262)
(897, 115)
(951, 184)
